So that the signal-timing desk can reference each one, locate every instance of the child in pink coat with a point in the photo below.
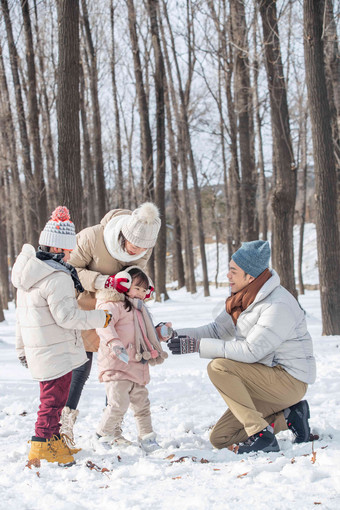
(126, 349)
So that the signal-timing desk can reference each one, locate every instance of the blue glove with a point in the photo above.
(183, 344)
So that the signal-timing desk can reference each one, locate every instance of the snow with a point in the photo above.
(187, 472)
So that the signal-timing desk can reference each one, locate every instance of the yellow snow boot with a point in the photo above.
(41, 449)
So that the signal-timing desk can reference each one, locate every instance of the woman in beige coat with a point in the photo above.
(121, 239)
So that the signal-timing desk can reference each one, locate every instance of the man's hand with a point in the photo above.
(23, 361)
(120, 281)
(183, 344)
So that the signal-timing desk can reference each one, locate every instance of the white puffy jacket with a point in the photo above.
(271, 331)
(48, 318)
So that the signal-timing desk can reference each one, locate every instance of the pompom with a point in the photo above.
(138, 356)
(61, 213)
(146, 355)
(147, 212)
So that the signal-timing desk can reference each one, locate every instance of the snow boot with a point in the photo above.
(114, 440)
(297, 421)
(46, 449)
(263, 441)
(63, 454)
(148, 443)
(67, 421)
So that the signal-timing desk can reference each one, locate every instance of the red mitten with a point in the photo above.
(120, 281)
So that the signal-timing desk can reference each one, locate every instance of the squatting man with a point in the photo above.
(262, 356)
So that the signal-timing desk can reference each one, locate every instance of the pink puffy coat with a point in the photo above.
(120, 332)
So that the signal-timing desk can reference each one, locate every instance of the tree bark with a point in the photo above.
(33, 119)
(32, 225)
(47, 138)
(328, 243)
(159, 77)
(283, 200)
(97, 129)
(89, 184)
(146, 139)
(120, 181)
(70, 185)
(9, 141)
(244, 109)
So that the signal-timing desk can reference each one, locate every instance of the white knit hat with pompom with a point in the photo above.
(59, 231)
(142, 226)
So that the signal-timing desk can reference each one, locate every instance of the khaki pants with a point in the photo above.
(256, 396)
(120, 394)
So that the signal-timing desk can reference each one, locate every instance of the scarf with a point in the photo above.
(148, 347)
(55, 260)
(111, 233)
(238, 302)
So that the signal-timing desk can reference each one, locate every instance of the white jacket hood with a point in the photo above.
(28, 270)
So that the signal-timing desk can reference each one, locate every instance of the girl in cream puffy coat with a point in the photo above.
(126, 349)
(48, 319)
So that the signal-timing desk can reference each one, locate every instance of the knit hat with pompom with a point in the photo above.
(142, 227)
(59, 231)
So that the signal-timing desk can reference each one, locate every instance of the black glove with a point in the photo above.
(23, 361)
(183, 344)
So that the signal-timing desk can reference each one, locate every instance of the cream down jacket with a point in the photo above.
(271, 331)
(48, 318)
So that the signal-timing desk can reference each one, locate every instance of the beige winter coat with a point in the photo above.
(92, 259)
(48, 318)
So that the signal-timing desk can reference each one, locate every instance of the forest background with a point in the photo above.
(226, 114)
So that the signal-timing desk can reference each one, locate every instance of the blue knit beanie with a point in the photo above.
(253, 257)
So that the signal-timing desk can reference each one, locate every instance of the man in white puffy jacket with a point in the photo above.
(262, 356)
(47, 338)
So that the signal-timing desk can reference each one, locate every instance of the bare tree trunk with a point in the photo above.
(52, 191)
(32, 224)
(328, 243)
(97, 129)
(131, 191)
(146, 139)
(4, 280)
(283, 201)
(178, 266)
(244, 108)
(234, 198)
(70, 185)
(303, 188)
(9, 141)
(89, 185)
(258, 122)
(159, 77)
(187, 231)
(33, 119)
(120, 182)
(332, 61)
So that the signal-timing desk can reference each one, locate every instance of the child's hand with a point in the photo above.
(120, 352)
(164, 331)
(23, 361)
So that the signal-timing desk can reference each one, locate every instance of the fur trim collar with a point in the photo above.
(110, 295)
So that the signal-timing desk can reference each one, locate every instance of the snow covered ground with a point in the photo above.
(187, 473)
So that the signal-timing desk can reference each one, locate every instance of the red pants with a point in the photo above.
(53, 397)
